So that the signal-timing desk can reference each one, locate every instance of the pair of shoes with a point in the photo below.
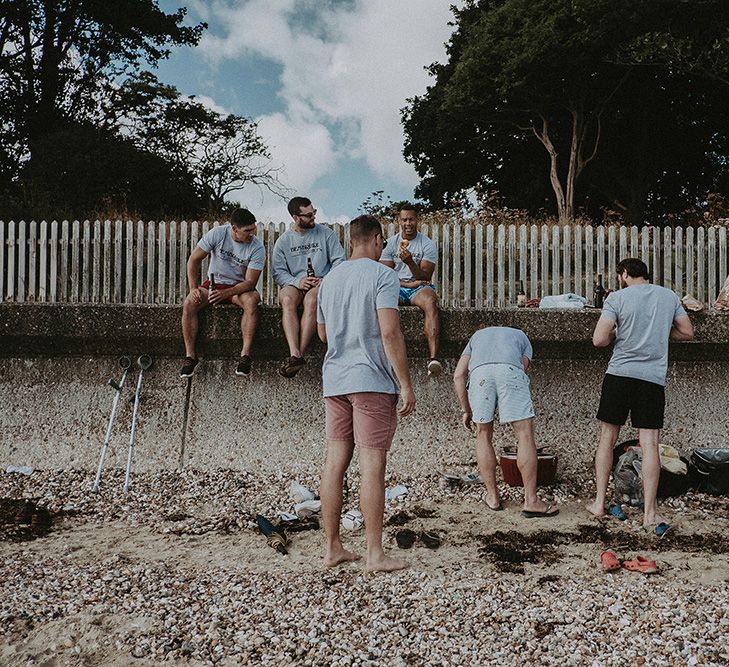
(435, 368)
(291, 366)
(550, 511)
(405, 538)
(617, 512)
(641, 564)
(188, 369)
(244, 365)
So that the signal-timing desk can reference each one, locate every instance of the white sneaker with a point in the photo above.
(435, 368)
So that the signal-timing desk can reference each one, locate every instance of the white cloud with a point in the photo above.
(345, 76)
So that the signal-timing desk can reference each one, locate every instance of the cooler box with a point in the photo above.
(546, 467)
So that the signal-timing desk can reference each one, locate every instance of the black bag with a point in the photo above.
(709, 469)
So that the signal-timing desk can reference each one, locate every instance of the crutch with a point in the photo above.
(144, 362)
(124, 363)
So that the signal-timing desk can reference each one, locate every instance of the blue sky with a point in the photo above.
(325, 80)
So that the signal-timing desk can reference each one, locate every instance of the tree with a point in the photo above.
(222, 153)
(538, 87)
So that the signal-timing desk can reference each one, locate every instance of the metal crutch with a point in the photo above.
(125, 363)
(144, 362)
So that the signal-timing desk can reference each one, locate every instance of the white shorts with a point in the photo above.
(503, 386)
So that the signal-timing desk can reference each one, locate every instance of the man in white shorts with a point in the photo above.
(491, 374)
(236, 260)
(364, 371)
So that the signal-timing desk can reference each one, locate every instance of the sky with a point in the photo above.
(325, 81)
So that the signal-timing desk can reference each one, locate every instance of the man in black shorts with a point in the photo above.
(639, 318)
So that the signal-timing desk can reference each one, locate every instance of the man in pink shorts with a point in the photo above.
(365, 369)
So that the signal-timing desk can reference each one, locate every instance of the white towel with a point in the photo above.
(568, 300)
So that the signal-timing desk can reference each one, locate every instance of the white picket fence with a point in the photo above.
(479, 265)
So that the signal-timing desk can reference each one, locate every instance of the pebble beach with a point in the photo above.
(177, 573)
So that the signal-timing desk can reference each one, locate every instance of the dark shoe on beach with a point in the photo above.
(189, 368)
(435, 368)
(244, 365)
(291, 366)
(405, 538)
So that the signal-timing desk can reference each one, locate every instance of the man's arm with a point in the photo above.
(280, 267)
(394, 343)
(525, 363)
(248, 285)
(194, 262)
(460, 377)
(321, 329)
(604, 333)
(422, 271)
(388, 263)
(682, 329)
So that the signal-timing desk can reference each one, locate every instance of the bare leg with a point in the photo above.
(486, 458)
(190, 310)
(427, 300)
(603, 466)
(249, 320)
(372, 463)
(308, 320)
(651, 468)
(290, 298)
(526, 461)
(339, 454)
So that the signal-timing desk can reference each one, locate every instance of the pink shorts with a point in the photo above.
(367, 418)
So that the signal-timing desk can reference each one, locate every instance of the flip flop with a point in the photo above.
(609, 561)
(430, 539)
(498, 508)
(662, 528)
(641, 564)
(529, 514)
(617, 512)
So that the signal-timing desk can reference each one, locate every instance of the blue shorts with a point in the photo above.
(407, 293)
(499, 385)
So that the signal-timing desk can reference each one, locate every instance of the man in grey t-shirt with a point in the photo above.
(365, 362)
(491, 373)
(640, 319)
(414, 256)
(302, 256)
(236, 261)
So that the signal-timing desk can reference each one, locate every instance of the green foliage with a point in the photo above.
(626, 97)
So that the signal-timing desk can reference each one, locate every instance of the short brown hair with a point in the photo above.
(364, 227)
(242, 217)
(635, 268)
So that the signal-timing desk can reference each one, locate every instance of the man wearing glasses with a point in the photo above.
(307, 248)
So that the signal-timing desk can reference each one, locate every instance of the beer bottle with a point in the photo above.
(521, 296)
(598, 295)
(309, 268)
(212, 281)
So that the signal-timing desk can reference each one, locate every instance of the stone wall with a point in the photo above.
(55, 361)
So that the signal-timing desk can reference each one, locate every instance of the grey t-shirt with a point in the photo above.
(644, 314)
(421, 248)
(229, 259)
(292, 249)
(497, 345)
(349, 298)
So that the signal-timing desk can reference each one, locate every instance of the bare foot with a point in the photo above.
(494, 502)
(339, 556)
(385, 564)
(595, 509)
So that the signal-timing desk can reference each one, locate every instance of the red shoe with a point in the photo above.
(641, 564)
(609, 561)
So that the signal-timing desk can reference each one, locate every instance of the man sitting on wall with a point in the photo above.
(414, 256)
(302, 256)
(236, 260)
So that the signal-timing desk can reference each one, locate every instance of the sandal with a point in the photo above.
(609, 561)
(641, 564)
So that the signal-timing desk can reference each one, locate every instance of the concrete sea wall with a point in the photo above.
(55, 361)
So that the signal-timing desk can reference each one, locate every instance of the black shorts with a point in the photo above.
(645, 401)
